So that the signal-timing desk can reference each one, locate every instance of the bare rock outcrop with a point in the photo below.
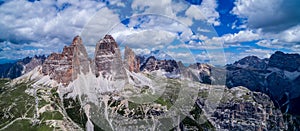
(108, 60)
(132, 63)
(64, 67)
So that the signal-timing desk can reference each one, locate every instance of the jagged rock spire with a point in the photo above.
(64, 67)
(77, 40)
(107, 57)
(132, 62)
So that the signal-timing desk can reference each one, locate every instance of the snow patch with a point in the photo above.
(24, 69)
(292, 75)
(242, 66)
(274, 69)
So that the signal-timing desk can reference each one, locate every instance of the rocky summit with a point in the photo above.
(107, 57)
(169, 68)
(208, 74)
(276, 76)
(252, 62)
(132, 62)
(64, 67)
(288, 62)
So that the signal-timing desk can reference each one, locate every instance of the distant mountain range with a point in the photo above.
(277, 76)
(16, 69)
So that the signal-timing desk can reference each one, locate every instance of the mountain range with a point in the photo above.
(277, 76)
(260, 94)
(16, 69)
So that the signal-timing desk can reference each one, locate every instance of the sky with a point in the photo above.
(215, 31)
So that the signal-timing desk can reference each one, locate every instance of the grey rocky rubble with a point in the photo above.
(241, 109)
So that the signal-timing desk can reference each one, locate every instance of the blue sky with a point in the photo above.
(219, 31)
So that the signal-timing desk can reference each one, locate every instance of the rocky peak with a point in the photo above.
(204, 73)
(107, 56)
(81, 62)
(107, 45)
(168, 65)
(203, 66)
(132, 62)
(251, 62)
(77, 40)
(64, 67)
(289, 62)
(108, 37)
(204, 69)
(34, 62)
(152, 64)
(209, 74)
(274, 76)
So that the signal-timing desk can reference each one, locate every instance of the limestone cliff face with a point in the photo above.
(81, 62)
(108, 60)
(132, 63)
(106, 53)
(64, 67)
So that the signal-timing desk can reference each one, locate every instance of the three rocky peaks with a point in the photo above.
(64, 67)
(277, 76)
